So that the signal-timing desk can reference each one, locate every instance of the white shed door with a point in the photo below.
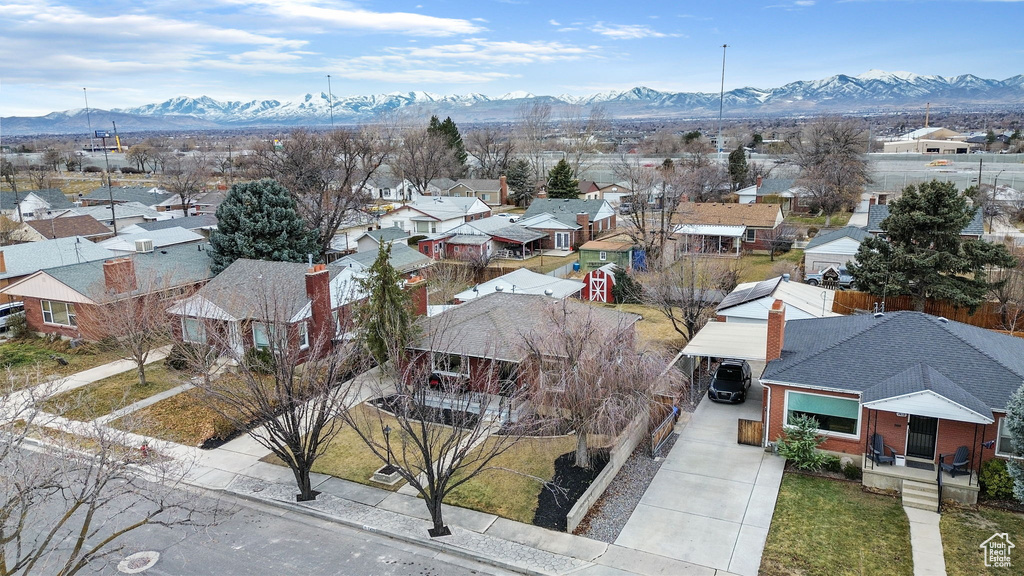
(598, 287)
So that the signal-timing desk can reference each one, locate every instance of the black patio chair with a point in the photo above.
(960, 460)
(877, 451)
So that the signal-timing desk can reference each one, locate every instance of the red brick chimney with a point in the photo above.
(318, 290)
(503, 190)
(776, 330)
(417, 289)
(542, 191)
(119, 275)
(583, 219)
(758, 182)
(3, 263)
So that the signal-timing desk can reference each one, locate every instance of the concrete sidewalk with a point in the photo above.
(926, 542)
(712, 501)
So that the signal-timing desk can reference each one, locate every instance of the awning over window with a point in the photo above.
(825, 405)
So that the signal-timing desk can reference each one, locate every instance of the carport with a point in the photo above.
(739, 340)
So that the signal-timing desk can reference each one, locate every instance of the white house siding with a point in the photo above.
(837, 252)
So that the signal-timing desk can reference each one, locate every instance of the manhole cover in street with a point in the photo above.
(138, 562)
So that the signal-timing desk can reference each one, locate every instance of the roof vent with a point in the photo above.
(785, 277)
(144, 246)
(943, 319)
(549, 292)
(499, 288)
(878, 314)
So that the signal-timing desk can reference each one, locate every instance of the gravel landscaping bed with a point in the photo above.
(609, 515)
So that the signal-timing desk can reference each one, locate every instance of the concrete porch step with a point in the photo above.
(920, 495)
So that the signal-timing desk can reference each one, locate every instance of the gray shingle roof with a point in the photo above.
(858, 352)
(24, 259)
(186, 222)
(919, 378)
(565, 210)
(879, 212)
(775, 186)
(516, 233)
(495, 326)
(479, 184)
(52, 196)
(403, 258)
(387, 234)
(469, 239)
(858, 234)
(172, 266)
(260, 288)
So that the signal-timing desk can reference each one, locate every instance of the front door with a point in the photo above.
(921, 437)
(561, 240)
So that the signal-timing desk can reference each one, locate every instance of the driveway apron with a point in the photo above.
(711, 503)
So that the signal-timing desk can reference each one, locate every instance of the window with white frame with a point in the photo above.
(60, 313)
(423, 227)
(303, 335)
(193, 330)
(602, 255)
(1004, 444)
(261, 334)
(835, 415)
(750, 235)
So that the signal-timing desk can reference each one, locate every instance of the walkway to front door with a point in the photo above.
(712, 501)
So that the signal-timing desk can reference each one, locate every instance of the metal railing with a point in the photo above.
(938, 480)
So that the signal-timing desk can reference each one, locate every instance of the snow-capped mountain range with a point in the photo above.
(871, 92)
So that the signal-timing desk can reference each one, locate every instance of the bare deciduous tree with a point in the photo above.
(286, 394)
(688, 290)
(186, 175)
(580, 136)
(830, 153)
(131, 310)
(325, 172)
(1009, 293)
(446, 279)
(779, 239)
(423, 156)
(493, 149)
(590, 372)
(531, 128)
(67, 501)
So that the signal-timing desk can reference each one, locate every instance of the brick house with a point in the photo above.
(568, 222)
(724, 228)
(925, 385)
(18, 261)
(58, 300)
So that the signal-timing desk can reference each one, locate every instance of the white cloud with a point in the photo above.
(481, 52)
(554, 22)
(627, 31)
(344, 16)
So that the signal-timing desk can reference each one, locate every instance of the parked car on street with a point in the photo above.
(730, 382)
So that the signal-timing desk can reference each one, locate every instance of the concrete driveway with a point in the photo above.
(711, 502)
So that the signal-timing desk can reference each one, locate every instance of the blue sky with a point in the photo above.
(136, 52)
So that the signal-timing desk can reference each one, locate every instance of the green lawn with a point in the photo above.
(838, 220)
(31, 360)
(831, 528)
(757, 267)
(110, 394)
(511, 495)
(963, 531)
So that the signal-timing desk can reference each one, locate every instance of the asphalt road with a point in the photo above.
(250, 538)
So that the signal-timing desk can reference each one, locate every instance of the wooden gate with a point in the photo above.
(749, 432)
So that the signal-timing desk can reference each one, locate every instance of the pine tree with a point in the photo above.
(738, 168)
(922, 254)
(450, 133)
(258, 220)
(518, 179)
(1015, 426)
(561, 184)
(385, 317)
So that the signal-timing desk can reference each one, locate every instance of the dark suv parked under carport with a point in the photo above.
(730, 382)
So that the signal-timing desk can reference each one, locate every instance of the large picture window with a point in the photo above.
(449, 364)
(834, 415)
(61, 313)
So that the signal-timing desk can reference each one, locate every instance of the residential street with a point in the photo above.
(250, 538)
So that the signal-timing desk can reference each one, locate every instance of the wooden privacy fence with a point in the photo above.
(986, 316)
(749, 432)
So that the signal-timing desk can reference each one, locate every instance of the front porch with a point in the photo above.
(963, 488)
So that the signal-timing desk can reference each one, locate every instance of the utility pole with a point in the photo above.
(330, 100)
(88, 118)
(721, 107)
(110, 191)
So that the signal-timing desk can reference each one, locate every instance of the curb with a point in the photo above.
(432, 544)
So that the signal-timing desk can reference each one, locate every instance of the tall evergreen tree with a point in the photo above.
(259, 220)
(738, 168)
(385, 317)
(450, 133)
(518, 179)
(561, 184)
(922, 254)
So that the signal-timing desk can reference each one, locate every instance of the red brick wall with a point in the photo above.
(34, 318)
(951, 433)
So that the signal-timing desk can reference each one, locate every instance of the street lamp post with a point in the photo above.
(387, 442)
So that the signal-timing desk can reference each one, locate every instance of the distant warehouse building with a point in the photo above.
(927, 147)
